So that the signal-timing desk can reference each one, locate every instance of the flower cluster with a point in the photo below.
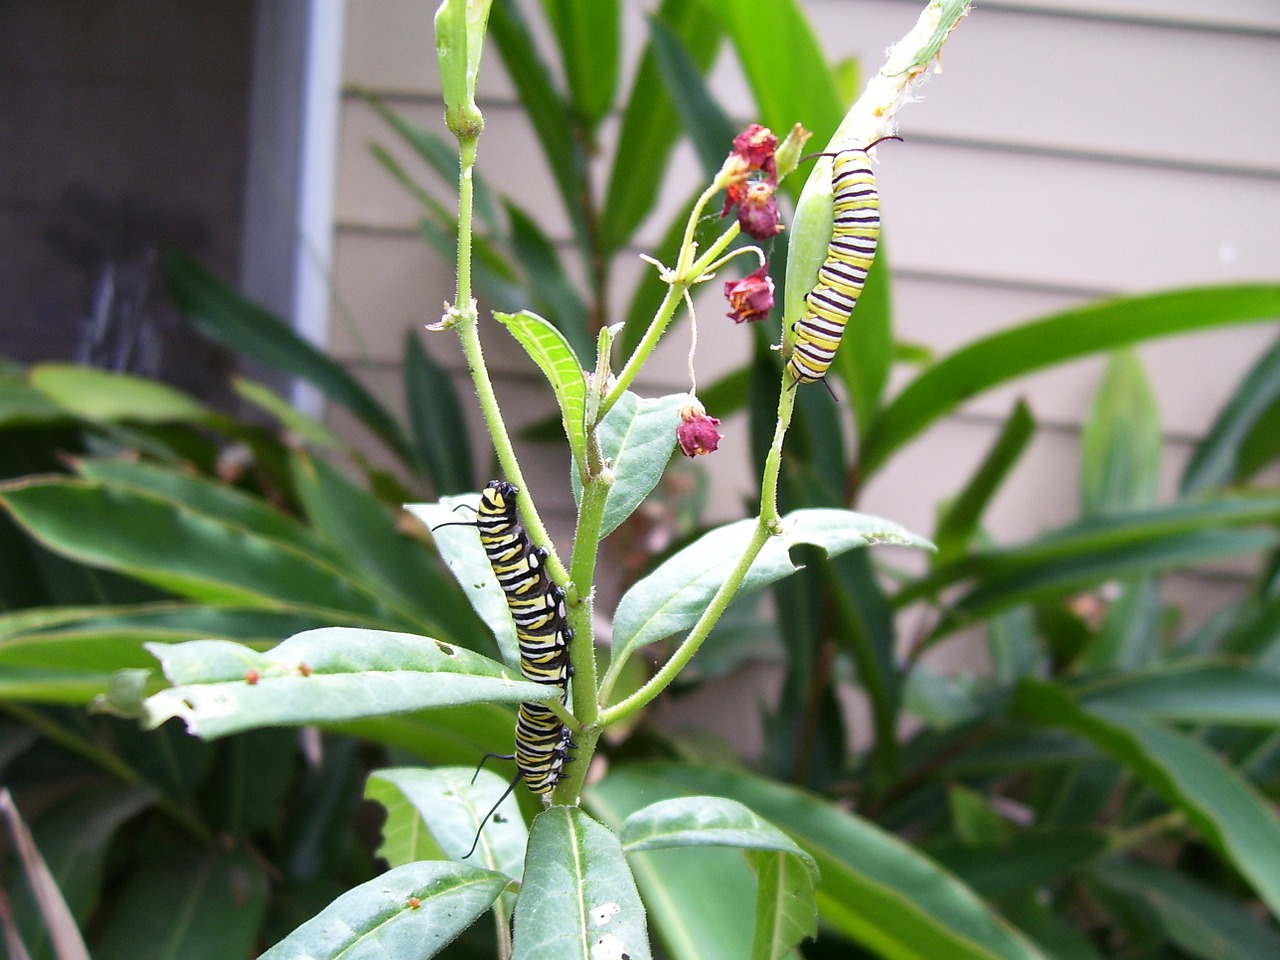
(751, 182)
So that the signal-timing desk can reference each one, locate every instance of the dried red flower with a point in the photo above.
(756, 145)
(751, 297)
(697, 433)
(758, 211)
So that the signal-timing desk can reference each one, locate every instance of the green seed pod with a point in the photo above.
(809, 238)
(460, 27)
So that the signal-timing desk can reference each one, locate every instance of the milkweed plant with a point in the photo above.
(562, 887)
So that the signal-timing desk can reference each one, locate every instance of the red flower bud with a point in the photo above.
(697, 433)
(751, 297)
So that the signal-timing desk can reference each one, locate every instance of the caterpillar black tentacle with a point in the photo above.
(855, 234)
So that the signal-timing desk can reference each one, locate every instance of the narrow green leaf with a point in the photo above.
(554, 356)
(552, 291)
(1197, 693)
(439, 154)
(413, 911)
(330, 674)
(1121, 442)
(637, 437)
(22, 404)
(220, 313)
(1024, 862)
(708, 126)
(650, 127)
(1197, 918)
(435, 414)
(673, 597)
(590, 37)
(1231, 814)
(960, 521)
(1217, 457)
(790, 88)
(102, 396)
(162, 542)
(785, 909)
(578, 900)
(452, 527)
(875, 889)
(377, 553)
(546, 110)
(1261, 445)
(211, 497)
(189, 903)
(435, 814)
(444, 735)
(1074, 333)
(302, 427)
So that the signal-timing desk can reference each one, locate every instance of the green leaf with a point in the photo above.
(189, 903)
(220, 313)
(719, 880)
(212, 498)
(1229, 811)
(578, 900)
(435, 814)
(785, 909)
(1121, 442)
(445, 735)
(673, 597)
(790, 87)
(705, 822)
(650, 127)
(708, 126)
(557, 361)
(1101, 548)
(22, 405)
(959, 521)
(1199, 919)
(1024, 862)
(1217, 457)
(162, 542)
(590, 35)
(637, 437)
(993, 360)
(329, 674)
(439, 154)
(552, 291)
(376, 552)
(875, 889)
(101, 396)
(411, 912)
(1196, 693)
(435, 415)
(309, 431)
(464, 555)
(545, 109)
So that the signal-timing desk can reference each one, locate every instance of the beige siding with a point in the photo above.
(1071, 149)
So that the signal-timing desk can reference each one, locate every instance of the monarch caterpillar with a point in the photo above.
(855, 233)
(542, 741)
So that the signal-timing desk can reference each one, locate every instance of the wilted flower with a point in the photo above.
(750, 177)
(758, 211)
(756, 145)
(751, 297)
(697, 433)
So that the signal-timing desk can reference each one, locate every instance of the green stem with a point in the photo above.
(464, 318)
(586, 544)
(684, 276)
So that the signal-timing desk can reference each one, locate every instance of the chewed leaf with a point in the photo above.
(326, 675)
(553, 355)
(673, 597)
